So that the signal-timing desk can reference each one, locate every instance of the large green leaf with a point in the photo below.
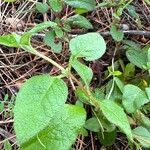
(115, 114)
(143, 136)
(85, 72)
(91, 46)
(42, 120)
(80, 21)
(10, 40)
(133, 98)
(86, 4)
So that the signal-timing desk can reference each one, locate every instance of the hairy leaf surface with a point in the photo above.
(42, 119)
(91, 46)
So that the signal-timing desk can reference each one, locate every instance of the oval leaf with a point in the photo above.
(91, 46)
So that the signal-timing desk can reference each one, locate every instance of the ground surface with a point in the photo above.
(16, 65)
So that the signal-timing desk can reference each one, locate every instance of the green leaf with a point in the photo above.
(38, 90)
(91, 46)
(99, 93)
(42, 26)
(85, 72)
(80, 21)
(132, 11)
(41, 117)
(137, 58)
(119, 83)
(147, 1)
(129, 71)
(133, 98)
(49, 39)
(130, 45)
(116, 93)
(25, 43)
(80, 11)
(7, 145)
(107, 138)
(2, 106)
(148, 53)
(116, 34)
(86, 4)
(83, 132)
(92, 124)
(142, 135)
(148, 92)
(59, 33)
(142, 120)
(82, 96)
(116, 73)
(42, 7)
(56, 5)
(10, 40)
(26, 37)
(115, 114)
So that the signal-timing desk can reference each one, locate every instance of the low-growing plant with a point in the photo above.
(42, 120)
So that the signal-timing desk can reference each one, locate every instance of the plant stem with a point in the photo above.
(51, 61)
